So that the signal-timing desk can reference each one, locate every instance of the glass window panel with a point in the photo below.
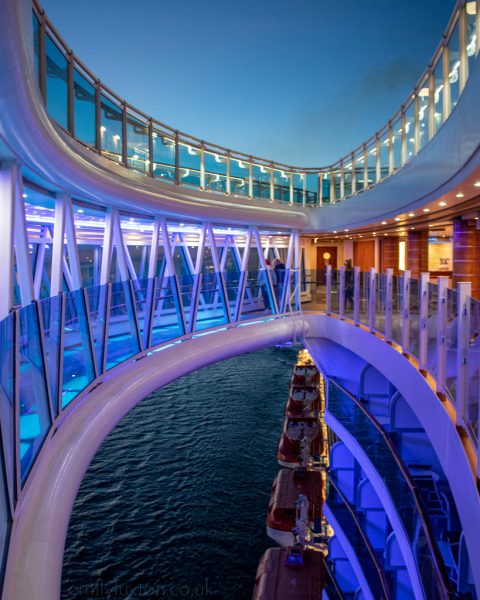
(423, 113)
(122, 328)
(51, 311)
(359, 171)
(143, 290)
(454, 65)
(57, 83)
(298, 188)
(110, 129)
(347, 178)
(410, 129)
(163, 156)
(372, 162)
(78, 369)
(138, 156)
(311, 186)
(414, 313)
(167, 322)
(432, 312)
(83, 109)
(7, 360)
(212, 309)
(397, 144)
(473, 370)
(189, 161)
(215, 171)
(281, 185)
(261, 181)
(239, 177)
(438, 94)
(384, 153)
(34, 412)
(97, 307)
(326, 187)
(258, 296)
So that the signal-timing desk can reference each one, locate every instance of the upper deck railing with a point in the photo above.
(98, 118)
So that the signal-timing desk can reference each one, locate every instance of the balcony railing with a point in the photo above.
(98, 118)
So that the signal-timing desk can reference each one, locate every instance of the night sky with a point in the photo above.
(298, 81)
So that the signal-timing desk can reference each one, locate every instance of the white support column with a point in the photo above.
(464, 291)
(119, 245)
(152, 261)
(58, 246)
(378, 158)
(442, 287)
(388, 304)
(107, 248)
(462, 43)
(263, 267)
(328, 289)
(217, 267)
(243, 276)
(72, 246)
(356, 294)
(67, 274)
(447, 102)
(423, 320)
(341, 299)
(406, 311)
(431, 105)
(288, 273)
(8, 179)
(372, 298)
(197, 280)
(404, 138)
(24, 264)
(416, 123)
(40, 263)
(297, 270)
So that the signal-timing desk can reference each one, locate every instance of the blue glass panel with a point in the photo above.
(143, 292)
(239, 177)
(261, 181)
(215, 171)
(111, 129)
(78, 369)
(138, 156)
(212, 308)
(97, 304)
(163, 155)
(311, 188)
(258, 297)
(281, 185)
(34, 413)
(123, 339)
(7, 383)
(57, 83)
(189, 161)
(167, 322)
(84, 109)
(51, 311)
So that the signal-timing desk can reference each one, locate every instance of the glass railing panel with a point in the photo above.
(345, 516)
(384, 153)
(452, 317)
(397, 305)
(110, 128)
(392, 472)
(423, 113)
(34, 413)
(438, 94)
(349, 293)
(138, 155)
(167, 323)
(56, 83)
(372, 162)
(454, 65)
(473, 361)
(78, 369)
(232, 283)
(84, 109)
(215, 166)
(51, 312)
(97, 306)
(432, 313)
(326, 188)
(298, 188)
(311, 189)
(122, 342)
(281, 185)
(258, 296)
(359, 170)
(347, 178)
(163, 155)
(239, 177)
(261, 181)
(143, 290)
(189, 158)
(410, 129)
(7, 393)
(212, 308)
(363, 299)
(335, 292)
(414, 317)
(471, 8)
(380, 301)
(397, 143)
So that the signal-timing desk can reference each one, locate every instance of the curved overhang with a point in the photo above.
(54, 157)
(450, 158)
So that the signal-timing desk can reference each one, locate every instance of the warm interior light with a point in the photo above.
(477, 184)
(442, 204)
(401, 255)
(426, 210)
(471, 8)
(411, 214)
(397, 218)
(384, 222)
(459, 195)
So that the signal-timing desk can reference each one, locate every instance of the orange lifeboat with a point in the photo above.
(301, 439)
(303, 402)
(305, 376)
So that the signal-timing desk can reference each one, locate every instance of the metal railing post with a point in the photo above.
(464, 291)
(356, 294)
(442, 287)
(388, 304)
(341, 291)
(406, 310)
(462, 43)
(328, 290)
(423, 320)
(202, 165)
(372, 298)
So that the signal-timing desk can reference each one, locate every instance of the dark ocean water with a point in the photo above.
(174, 504)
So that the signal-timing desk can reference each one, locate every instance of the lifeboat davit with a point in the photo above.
(301, 439)
(289, 484)
(290, 573)
(303, 402)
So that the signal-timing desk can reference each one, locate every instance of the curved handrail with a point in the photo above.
(432, 545)
(242, 174)
(366, 541)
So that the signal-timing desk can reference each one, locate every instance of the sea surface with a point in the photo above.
(174, 503)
